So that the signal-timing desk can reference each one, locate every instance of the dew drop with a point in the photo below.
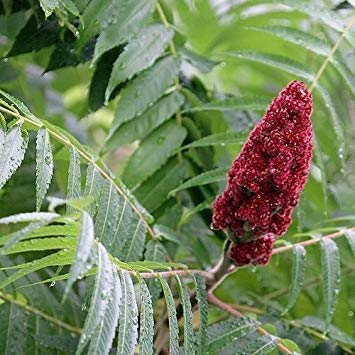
(104, 294)
(160, 139)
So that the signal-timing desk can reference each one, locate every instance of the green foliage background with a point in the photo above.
(135, 111)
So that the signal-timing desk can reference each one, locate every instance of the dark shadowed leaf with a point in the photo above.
(33, 38)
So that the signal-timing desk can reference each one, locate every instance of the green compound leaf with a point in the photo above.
(12, 152)
(144, 90)
(189, 336)
(15, 336)
(156, 252)
(201, 296)
(129, 19)
(144, 124)
(299, 257)
(93, 185)
(173, 323)
(48, 6)
(139, 54)
(40, 244)
(153, 152)
(350, 237)
(223, 333)
(232, 104)
(46, 231)
(101, 294)
(84, 257)
(63, 257)
(28, 217)
(275, 61)
(18, 235)
(154, 191)
(146, 322)
(218, 139)
(74, 176)
(208, 177)
(260, 346)
(331, 276)
(44, 165)
(118, 226)
(128, 328)
(102, 338)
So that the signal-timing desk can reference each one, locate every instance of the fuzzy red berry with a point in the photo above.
(266, 179)
(256, 252)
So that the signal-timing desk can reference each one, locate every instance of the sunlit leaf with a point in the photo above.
(44, 167)
(12, 152)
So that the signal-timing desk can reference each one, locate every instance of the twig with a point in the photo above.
(244, 308)
(162, 337)
(167, 25)
(233, 311)
(37, 312)
(296, 324)
(226, 307)
(223, 267)
(331, 53)
(311, 241)
(65, 141)
(217, 275)
(293, 323)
